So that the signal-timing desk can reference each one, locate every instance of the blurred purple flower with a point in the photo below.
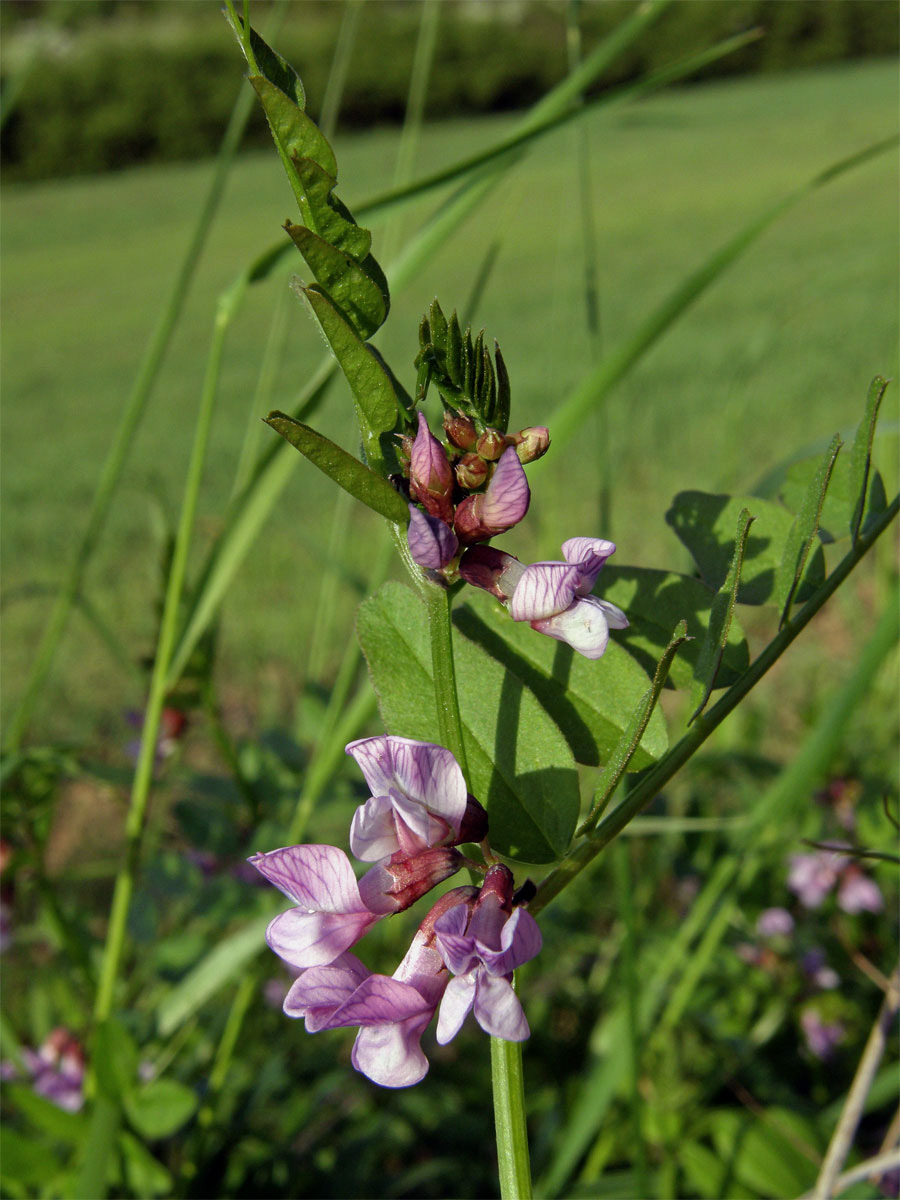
(858, 893)
(812, 876)
(822, 1037)
(816, 969)
(482, 948)
(56, 1070)
(775, 922)
(419, 797)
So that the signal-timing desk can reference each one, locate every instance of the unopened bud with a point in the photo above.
(393, 886)
(532, 443)
(471, 472)
(502, 505)
(491, 444)
(474, 824)
(491, 569)
(460, 429)
(430, 474)
(498, 882)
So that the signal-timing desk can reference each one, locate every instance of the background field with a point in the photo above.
(774, 358)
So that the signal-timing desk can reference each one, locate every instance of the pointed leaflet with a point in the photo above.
(721, 617)
(861, 454)
(520, 767)
(654, 602)
(296, 136)
(335, 221)
(370, 383)
(705, 523)
(348, 284)
(353, 476)
(588, 701)
(802, 532)
(618, 762)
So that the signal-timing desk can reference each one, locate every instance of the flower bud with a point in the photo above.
(502, 505)
(395, 885)
(498, 882)
(471, 472)
(532, 443)
(493, 570)
(460, 429)
(491, 444)
(430, 474)
(474, 825)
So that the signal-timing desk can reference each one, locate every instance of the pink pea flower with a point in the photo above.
(419, 799)
(503, 504)
(482, 945)
(554, 597)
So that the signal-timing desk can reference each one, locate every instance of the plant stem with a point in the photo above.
(438, 602)
(513, 1163)
(143, 776)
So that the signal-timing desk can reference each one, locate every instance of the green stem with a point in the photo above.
(143, 776)
(656, 779)
(513, 1163)
(438, 603)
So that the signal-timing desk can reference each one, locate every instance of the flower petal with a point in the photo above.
(373, 834)
(314, 939)
(391, 1055)
(589, 554)
(544, 589)
(497, 1009)
(583, 625)
(520, 941)
(318, 993)
(506, 500)
(432, 543)
(315, 877)
(455, 1006)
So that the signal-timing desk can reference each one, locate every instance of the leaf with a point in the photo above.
(334, 220)
(222, 964)
(370, 384)
(358, 297)
(146, 1176)
(520, 767)
(861, 454)
(803, 531)
(654, 601)
(766, 1152)
(66, 1127)
(588, 701)
(160, 1108)
(25, 1161)
(295, 132)
(618, 762)
(715, 644)
(705, 524)
(352, 475)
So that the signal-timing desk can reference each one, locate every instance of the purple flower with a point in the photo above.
(812, 876)
(503, 504)
(822, 1037)
(482, 948)
(430, 474)
(331, 915)
(775, 922)
(431, 542)
(552, 596)
(419, 798)
(56, 1070)
(814, 966)
(858, 893)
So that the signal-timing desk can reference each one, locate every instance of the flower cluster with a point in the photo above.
(56, 1069)
(464, 952)
(813, 876)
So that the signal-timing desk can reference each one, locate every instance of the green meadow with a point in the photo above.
(770, 361)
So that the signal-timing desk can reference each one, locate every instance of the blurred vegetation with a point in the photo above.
(91, 85)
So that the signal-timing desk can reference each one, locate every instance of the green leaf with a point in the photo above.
(221, 965)
(370, 384)
(276, 69)
(25, 1161)
(803, 531)
(358, 297)
(721, 621)
(66, 1127)
(520, 767)
(335, 222)
(160, 1108)
(774, 1153)
(705, 524)
(618, 762)
(654, 601)
(588, 701)
(861, 454)
(352, 475)
(295, 132)
(146, 1176)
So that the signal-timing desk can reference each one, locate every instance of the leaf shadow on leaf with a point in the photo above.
(513, 830)
(550, 694)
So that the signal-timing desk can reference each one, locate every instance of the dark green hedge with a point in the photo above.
(105, 83)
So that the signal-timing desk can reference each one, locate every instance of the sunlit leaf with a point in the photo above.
(349, 286)
(158, 1109)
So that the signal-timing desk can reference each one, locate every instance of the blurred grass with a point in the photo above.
(777, 354)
